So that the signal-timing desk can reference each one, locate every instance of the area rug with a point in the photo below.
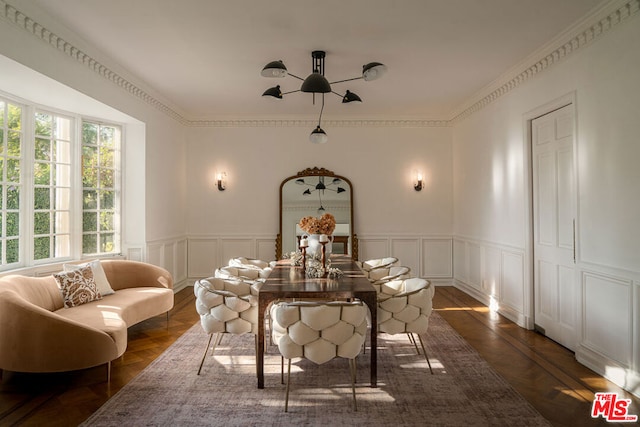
(463, 389)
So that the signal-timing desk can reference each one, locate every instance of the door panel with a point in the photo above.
(555, 294)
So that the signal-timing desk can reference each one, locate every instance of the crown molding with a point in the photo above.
(15, 16)
(312, 123)
(581, 34)
(575, 38)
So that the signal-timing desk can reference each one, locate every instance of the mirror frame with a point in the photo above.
(315, 171)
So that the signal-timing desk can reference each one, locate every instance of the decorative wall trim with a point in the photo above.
(170, 254)
(592, 28)
(566, 44)
(18, 18)
(428, 256)
(492, 273)
(330, 123)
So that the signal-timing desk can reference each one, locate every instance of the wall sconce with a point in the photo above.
(417, 183)
(221, 180)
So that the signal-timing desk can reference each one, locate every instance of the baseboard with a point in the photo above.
(177, 287)
(609, 369)
(504, 310)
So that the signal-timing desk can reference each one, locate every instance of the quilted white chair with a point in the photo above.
(379, 275)
(225, 307)
(376, 263)
(252, 263)
(404, 307)
(319, 331)
(250, 275)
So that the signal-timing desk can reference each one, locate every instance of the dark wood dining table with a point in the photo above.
(287, 282)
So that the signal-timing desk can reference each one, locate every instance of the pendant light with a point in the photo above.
(317, 83)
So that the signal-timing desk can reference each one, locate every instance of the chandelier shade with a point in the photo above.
(274, 69)
(274, 91)
(350, 97)
(373, 71)
(316, 82)
(318, 136)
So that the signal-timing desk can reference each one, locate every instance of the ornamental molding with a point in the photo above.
(571, 41)
(312, 123)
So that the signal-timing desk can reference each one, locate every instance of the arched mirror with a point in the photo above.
(312, 192)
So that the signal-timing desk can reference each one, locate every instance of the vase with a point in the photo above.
(315, 247)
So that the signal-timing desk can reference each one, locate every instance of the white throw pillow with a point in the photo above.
(104, 287)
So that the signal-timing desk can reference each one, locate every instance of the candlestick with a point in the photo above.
(324, 254)
(304, 259)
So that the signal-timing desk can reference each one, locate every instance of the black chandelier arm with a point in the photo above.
(321, 110)
(291, 91)
(346, 80)
(294, 76)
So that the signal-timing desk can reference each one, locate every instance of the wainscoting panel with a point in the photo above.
(170, 254)
(408, 251)
(492, 273)
(460, 260)
(609, 321)
(206, 253)
(202, 257)
(491, 277)
(266, 249)
(605, 330)
(372, 248)
(513, 272)
(474, 273)
(437, 258)
(430, 257)
(233, 247)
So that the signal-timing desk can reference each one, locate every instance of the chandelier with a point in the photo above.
(321, 187)
(317, 83)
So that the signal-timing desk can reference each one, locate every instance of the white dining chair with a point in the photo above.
(404, 307)
(319, 332)
(225, 307)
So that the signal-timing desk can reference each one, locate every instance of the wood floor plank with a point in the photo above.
(545, 373)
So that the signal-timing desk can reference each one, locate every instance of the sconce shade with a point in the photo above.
(373, 71)
(315, 83)
(274, 69)
(318, 136)
(350, 97)
(221, 180)
(273, 91)
(418, 183)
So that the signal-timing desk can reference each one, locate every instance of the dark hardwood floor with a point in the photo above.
(545, 373)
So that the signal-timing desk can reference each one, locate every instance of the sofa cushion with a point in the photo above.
(104, 287)
(77, 286)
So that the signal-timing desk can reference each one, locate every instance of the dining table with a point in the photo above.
(290, 282)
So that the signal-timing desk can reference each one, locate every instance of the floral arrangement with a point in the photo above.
(323, 225)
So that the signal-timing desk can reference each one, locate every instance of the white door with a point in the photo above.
(555, 290)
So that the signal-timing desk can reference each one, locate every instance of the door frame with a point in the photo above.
(527, 119)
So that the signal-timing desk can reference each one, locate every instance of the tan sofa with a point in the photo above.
(37, 334)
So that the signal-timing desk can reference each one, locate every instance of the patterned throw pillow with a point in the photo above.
(77, 287)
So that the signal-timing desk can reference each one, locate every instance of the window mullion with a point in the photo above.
(27, 194)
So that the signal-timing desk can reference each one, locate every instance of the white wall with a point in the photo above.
(389, 215)
(491, 198)
(154, 187)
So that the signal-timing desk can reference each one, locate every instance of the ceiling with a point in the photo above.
(204, 57)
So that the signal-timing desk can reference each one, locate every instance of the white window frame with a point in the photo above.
(26, 216)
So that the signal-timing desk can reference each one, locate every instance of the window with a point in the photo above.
(100, 145)
(51, 187)
(11, 137)
(59, 186)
